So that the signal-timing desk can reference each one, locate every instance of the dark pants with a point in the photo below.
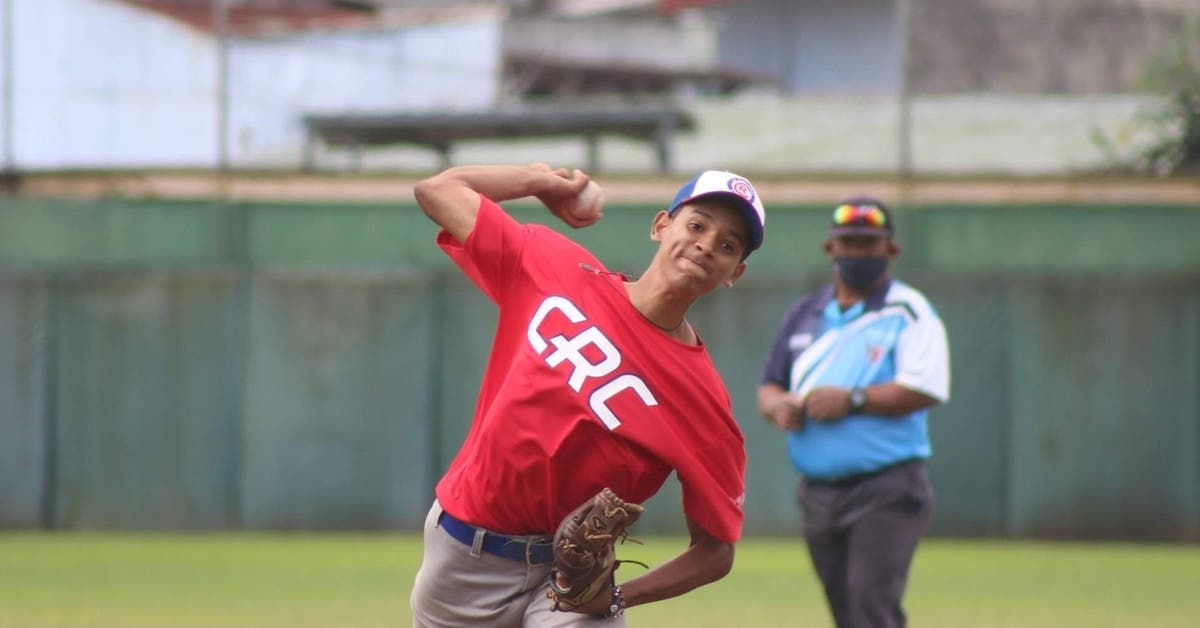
(862, 534)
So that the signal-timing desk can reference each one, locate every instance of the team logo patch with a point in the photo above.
(742, 188)
(874, 353)
(800, 341)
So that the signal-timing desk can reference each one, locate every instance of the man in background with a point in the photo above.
(853, 370)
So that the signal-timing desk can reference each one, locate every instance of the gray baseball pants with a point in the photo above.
(459, 587)
(862, 534)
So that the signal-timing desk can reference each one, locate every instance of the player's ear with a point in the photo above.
(661, 220)
(828, 247)
(893, 249)
(737, 274)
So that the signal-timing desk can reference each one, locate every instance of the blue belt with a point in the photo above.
(508, 547)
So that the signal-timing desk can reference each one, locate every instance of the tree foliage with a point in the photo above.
(1173, 126)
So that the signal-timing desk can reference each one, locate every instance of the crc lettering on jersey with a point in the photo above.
(582, 368)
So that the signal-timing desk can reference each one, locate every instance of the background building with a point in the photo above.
(932, 86)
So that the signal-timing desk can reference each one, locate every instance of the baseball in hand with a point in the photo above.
(589, 205)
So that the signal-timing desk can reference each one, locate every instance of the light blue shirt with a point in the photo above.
(892, 336)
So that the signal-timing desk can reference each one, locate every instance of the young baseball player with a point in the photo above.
(595, 380)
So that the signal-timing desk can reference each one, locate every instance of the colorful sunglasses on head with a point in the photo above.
(869, 215)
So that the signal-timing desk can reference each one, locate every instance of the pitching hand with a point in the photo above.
(565, 196)
(561, 172)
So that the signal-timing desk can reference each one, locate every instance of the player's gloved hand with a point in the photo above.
(585, 553)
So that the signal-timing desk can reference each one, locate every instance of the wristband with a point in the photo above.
(616, 608)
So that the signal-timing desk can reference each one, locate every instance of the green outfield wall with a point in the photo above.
(191, 365)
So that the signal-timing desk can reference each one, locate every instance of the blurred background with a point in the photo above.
(221, 309)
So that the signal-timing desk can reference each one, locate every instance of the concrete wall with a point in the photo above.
(642, 40)
(848, 133)
(817, 46)
(998, 46)
(6, 72)
(99, 84)
(274, 82)
(1039, 46)
(104, 85)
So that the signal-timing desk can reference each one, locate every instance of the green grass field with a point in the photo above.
(264, 580)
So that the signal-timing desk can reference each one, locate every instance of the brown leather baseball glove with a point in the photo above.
(584, 553)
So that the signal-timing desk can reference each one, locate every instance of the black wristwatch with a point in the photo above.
(858, 400)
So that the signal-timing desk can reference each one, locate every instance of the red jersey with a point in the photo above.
(582, 392)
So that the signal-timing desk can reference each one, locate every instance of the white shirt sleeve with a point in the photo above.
(923, 358)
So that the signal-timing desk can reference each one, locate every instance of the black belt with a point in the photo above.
(851, 480)
(512, 548)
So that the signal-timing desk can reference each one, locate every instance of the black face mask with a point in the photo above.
(860, 273)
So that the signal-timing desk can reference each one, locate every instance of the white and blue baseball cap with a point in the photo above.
(738, 189)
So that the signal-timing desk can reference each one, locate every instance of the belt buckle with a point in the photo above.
(535, 544)
(518, 549)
